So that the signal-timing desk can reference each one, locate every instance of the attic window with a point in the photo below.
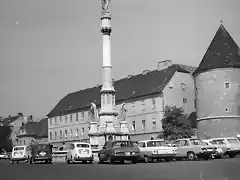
(145, 72)
(183, 86)
(133, 92)
(69, 106)
(227, 85)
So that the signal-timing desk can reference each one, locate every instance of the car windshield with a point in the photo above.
(219, 141)
(232, 141)
(122, 144)
(82, 146)
(156, 143)
(40, 147)
(18, 148)
(197, 142)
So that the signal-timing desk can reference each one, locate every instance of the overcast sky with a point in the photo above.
(49, 48)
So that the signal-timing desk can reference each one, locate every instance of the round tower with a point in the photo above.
(217, 82)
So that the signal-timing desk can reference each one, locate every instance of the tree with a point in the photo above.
(175, 124)
(5, 138)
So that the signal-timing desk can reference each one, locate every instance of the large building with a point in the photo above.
(145, 95)
(217, 80)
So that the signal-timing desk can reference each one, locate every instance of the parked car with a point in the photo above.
(4, 156)
(231, 143)
(20, 153)
(79, 152)
(194, 148)
(41, 153)
(220, 151)
(119, 151)
(155, 150)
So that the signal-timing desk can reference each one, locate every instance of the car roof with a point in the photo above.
(19, 146)
(80, 143)
(189, 139)
(152, 140)
(223, 138)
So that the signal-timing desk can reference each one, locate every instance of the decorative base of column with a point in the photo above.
(123, 127)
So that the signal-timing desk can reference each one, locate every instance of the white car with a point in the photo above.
(79, 152)
(155, 150)
(20, 153)
(220, 151)
(4, 156)
(231, 143)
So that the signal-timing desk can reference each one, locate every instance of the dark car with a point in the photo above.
(119, 151)
(41, 152)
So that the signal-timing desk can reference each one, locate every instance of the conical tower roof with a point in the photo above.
(223, 52)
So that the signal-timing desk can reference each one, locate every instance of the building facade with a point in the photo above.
(144, 95)
(33, 132)
(218, 88)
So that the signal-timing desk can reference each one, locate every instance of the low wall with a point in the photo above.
(60, 156)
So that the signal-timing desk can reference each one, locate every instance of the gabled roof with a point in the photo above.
(223, 52)
(9, 120)
(136, 86)
(36, 129)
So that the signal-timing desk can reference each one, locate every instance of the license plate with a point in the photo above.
(127, 153)
(209, 150)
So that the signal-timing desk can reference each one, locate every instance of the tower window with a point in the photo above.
(227, 85)
(184, 101)
(226, 109)
(183, 86)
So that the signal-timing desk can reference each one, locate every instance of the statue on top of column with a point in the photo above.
(93, 112)
(105, 5)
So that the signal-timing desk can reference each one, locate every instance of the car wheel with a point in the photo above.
(17, 162)
(134, 161)
(191, 156)
(30, 160)
(218, 157)
(12, 162)
(146, 159)
(231, 155)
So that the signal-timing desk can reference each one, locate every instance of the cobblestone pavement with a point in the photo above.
(224, 169)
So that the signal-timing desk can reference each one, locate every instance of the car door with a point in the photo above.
(182, 148)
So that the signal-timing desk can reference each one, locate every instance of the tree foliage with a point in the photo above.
(175, 124)
(5, 138)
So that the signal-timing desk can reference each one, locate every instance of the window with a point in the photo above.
(50, 135)
(66, 135)
(133, 126)
(183, 86)
(184, 101)
(60, 134)
(60, 120)
(65, 119)
(55, 136)
(50, 122)
(70, 119)
(82, 132)
(70, 133)
(143, 124)
(143, 105)
(82, 116)
(227, 85)
(113, 100)
(76, 133)
(55, 121)
(76, 116)
(232, 141)
(142, 144)
(154, 124)
(108, 98)
(133, 107)
(24, 142)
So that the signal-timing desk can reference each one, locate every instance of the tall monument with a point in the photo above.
(107, 128)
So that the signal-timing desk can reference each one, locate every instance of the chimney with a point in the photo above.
(129, 76)
(164, 64)
(145, 72)
(20, 114)
(30, 118)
